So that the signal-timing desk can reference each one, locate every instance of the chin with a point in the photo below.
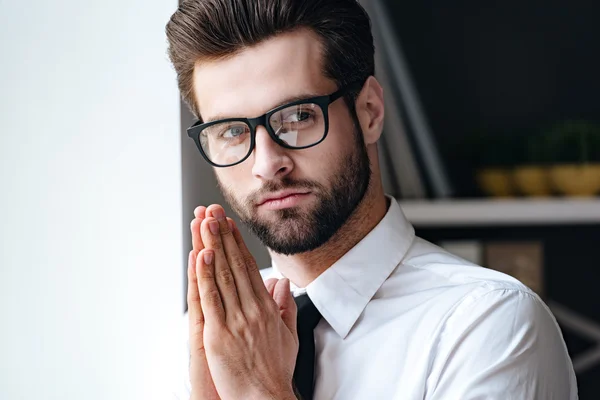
(288, 231)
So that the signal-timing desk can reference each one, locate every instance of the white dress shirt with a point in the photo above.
(404, 319)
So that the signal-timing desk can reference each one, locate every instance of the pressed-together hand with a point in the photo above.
(249, 338)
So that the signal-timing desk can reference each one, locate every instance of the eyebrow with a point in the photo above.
(285, 101)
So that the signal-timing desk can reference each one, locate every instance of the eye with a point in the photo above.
(234, 131)
(298, 116)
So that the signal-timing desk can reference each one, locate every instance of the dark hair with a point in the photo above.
(215, 29)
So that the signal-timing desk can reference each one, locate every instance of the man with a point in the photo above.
(289, 117)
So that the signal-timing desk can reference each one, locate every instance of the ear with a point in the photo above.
(370, 110)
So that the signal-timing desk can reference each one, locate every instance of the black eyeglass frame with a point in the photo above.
(322, 101)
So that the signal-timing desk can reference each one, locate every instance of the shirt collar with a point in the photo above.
(342, 292)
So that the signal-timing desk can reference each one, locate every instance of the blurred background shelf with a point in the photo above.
(478, 212)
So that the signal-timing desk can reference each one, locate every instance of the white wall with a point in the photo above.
(90, 200)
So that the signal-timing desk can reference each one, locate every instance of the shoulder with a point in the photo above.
(471, 289)
(429, 271)
(463, 294)
(502, 335)
(439, 267)
(503, 307)
(512, 336)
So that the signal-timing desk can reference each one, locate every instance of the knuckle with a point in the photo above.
(196, 344)
(259, 320)
(213, 298)
(254, 311)
(205, 273)
(239, 322)
(191, 268)
(216, 244)
(193, 298)
(238, 261)
(225, 276)
(198, 321)
(252, 266)
(225, 230)
(198, 348)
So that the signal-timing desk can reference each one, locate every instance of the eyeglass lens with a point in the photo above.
(299, 125)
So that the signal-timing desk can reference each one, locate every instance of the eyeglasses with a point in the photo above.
(297, 125)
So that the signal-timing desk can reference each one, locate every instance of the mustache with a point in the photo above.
(286, 183)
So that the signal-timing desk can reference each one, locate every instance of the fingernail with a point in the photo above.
(208, 257)
(218, 213)
(230, 222)
(214, 227)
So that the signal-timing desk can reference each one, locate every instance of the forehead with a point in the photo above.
(261, 77)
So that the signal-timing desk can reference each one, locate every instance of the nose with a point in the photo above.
(271, 161)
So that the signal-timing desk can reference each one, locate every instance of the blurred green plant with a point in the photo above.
(573, 142)
(570, 141)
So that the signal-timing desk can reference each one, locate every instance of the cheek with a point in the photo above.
(342, 131)
(234, 179)
(339, 143)
(320, 162)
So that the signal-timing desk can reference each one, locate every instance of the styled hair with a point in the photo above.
(215, 29)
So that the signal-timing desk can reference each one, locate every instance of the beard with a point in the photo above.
(297, 230)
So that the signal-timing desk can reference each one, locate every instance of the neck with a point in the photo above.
(302, 269)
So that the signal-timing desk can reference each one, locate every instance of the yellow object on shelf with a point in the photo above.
(580, 180)
(532, 180)
(496, 182)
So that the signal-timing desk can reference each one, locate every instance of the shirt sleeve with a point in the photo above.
(504, 344)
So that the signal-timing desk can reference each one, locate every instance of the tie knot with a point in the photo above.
(308, 315)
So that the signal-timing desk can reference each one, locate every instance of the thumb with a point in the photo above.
(270, 285)
(287, 306)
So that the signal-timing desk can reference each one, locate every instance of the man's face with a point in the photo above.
(293, 200)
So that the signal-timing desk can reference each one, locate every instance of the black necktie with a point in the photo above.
(308, 318)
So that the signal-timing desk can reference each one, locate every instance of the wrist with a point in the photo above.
(282, 394)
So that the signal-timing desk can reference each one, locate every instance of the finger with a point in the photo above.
(196, 238)
(211, 237)
(287, 306)
(256, 280)
(196, 318)
(235, 258)
(270, 285)
(208, 212)
(200, 212)
(210, 298)
(199, 373)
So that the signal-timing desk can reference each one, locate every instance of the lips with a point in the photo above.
(280, 196)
